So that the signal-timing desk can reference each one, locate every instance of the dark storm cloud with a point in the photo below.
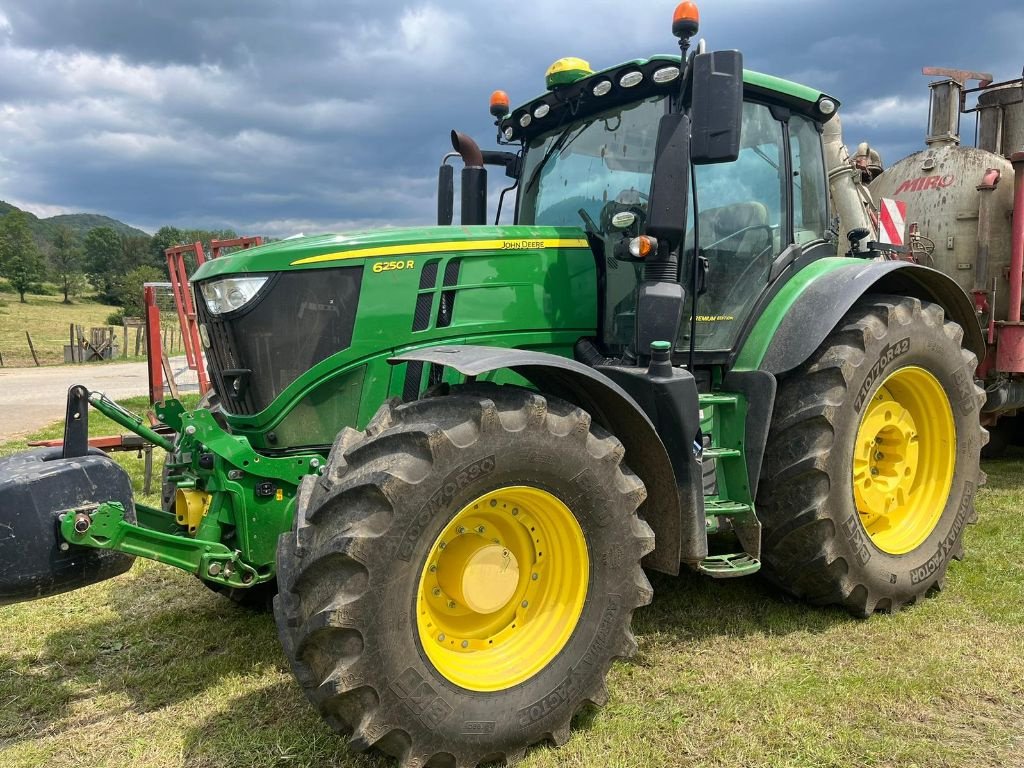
(278, 117)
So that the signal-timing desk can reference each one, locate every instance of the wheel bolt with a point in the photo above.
(437, 591)
(442, 545)
(525, 603)
(879, 456)
(433, 568)
(460, 530)
(515, 510)
(535, 576)
(440, 638)
(452, 604)
(465, 643)
(480, 529)
(874, 470)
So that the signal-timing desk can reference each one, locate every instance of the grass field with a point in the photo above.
(47, 319)
(152, 669)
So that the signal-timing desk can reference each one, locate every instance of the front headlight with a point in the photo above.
(231, 293)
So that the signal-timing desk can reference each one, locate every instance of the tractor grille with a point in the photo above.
(297, 320)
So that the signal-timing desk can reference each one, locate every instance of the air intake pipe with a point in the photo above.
(474, 179)
(848, 194)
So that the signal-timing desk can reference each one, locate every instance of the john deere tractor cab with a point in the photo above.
(453, 451)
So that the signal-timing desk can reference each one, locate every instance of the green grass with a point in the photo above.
(47, 319)
(152, 669)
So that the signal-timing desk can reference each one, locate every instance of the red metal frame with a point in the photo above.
(1010, 344)
(184, 300)
(235, 242)
(154, 362)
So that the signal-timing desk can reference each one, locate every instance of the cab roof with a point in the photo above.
(578, 96)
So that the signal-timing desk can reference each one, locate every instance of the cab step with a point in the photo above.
(720, 453)
(725, 507)
(729, 566)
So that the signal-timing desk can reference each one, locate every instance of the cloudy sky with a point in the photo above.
(279, 116)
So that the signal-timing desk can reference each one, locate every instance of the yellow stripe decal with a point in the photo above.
(519, 244)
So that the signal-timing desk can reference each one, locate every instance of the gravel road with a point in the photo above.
(31, 398)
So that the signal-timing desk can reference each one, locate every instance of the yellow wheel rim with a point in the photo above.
(903, 460)
(502, 588)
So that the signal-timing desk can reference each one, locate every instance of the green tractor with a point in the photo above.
(452, 452)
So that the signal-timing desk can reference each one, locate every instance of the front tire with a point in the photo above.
(459, 581)
(872, 464)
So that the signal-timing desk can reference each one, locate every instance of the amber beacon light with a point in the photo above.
(686, 20)
(499, 104)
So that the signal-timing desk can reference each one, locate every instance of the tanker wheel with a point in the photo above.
(871, 465)
(459, 581)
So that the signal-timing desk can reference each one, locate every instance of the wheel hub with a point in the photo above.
(502, 588)
(479, 574)
(903, 460)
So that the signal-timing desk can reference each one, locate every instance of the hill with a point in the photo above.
(80, 223)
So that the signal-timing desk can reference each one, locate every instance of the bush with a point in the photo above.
(115, 318)
(126, 289)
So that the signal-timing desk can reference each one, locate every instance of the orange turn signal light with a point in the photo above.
(641, 247)
(499, 104)
(686, 20)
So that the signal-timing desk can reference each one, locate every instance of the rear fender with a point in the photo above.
(610, 406)
(804, 318)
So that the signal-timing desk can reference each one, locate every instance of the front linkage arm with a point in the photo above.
(247, 495)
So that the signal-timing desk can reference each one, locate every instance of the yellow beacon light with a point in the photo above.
(566, 71)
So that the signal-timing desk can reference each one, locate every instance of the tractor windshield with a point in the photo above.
(584, 174)
(574, 175)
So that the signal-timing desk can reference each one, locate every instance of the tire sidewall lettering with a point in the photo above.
(900, 348)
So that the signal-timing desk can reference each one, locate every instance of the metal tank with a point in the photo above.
(960, 203)
(961, 199)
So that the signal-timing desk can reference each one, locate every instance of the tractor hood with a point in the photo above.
(323, 251)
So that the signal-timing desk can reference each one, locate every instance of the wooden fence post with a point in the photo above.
(31, 348)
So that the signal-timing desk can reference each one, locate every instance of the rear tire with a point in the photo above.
(852, 497)
(360, 611)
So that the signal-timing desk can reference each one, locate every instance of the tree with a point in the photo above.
(164, 238)
(126, 289)
(20, 260)
(135, 251)
(103, 258)
(66, 262)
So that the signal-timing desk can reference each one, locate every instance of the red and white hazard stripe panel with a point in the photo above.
(892, 221)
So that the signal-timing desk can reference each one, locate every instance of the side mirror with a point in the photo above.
(445, 195)
(716, 109)
(670, 190)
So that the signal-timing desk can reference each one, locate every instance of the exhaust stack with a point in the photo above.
(474, 179)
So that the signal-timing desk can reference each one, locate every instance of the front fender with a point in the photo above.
(609, 405)
(797, 320)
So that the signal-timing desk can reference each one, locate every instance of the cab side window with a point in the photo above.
(810, 209)
(741, 221)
